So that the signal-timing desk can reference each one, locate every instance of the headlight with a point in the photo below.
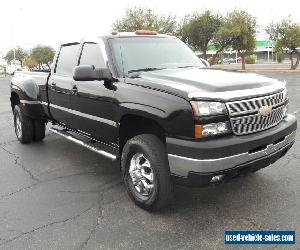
(208, 108)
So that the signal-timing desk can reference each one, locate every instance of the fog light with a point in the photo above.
(216, 178)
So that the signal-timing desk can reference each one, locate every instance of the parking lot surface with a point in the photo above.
(58, 195)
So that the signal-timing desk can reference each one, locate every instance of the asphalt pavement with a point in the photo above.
(58, 195)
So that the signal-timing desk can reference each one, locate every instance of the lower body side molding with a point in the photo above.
(91, 146)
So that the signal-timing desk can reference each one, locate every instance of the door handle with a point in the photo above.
(53, 85)
(74, 90)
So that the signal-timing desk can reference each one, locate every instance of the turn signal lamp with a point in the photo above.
(145, 32)
(198, 131)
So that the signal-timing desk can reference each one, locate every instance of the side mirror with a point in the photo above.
(90, 73)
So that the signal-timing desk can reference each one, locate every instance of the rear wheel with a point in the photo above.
(146, 172)
(23, 126)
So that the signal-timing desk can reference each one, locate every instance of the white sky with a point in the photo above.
(32, 22)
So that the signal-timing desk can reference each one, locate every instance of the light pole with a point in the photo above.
(14, 48)
(13, 40)
(272, 59)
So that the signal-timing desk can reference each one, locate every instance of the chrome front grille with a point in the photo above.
(254, 123)
(246, 119)
(253, 105)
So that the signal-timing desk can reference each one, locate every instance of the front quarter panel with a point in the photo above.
(171, 112)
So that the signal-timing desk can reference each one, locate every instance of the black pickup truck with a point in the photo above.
(146, 101)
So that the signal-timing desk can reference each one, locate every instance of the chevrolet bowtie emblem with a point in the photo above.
(265, 110)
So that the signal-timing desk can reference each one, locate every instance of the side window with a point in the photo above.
(92, 55)
(67, 59)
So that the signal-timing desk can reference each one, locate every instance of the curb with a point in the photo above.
(261, 70)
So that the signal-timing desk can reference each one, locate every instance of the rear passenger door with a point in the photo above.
(92, 104)
(60, 83)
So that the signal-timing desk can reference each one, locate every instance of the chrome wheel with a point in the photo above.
(18, 126)
(141, 174)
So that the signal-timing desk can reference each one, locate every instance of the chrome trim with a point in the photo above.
(181, 166)
(29, 102)
(75, 112)
(81, 143)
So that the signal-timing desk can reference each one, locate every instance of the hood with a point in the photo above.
(210, 83)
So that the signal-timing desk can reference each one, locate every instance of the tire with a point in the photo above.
(23, 126)
(39, 130)
(142, 156)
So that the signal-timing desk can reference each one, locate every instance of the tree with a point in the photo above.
(272, 31)
(30, 63)
(42, 55)
(144, 18)
(221, 41)
(287, 35)
(20, 55)
(198, 30)
(238, 32)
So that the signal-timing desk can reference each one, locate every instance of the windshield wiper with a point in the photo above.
(145, 69)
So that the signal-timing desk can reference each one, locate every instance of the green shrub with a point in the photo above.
(251, 59)
(280, 56)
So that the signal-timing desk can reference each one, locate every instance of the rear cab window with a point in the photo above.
(67, 59)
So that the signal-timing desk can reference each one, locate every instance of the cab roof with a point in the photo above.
(138, 33)
(143, 33)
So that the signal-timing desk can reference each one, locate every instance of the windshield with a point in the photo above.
(138, 54)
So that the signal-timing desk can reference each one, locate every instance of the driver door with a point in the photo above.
(92, 102)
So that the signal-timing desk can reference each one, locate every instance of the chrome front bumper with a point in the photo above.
(181, 166)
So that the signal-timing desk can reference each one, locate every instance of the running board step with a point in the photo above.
(96, 147)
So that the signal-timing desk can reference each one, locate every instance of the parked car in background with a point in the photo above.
(11, 69)
(228, 60)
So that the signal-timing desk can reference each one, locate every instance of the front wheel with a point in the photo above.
(146, 172)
